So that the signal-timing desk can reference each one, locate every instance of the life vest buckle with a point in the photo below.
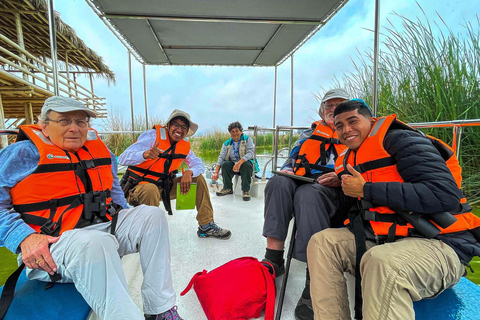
(88, 164)
(48, 228)
(94, 203)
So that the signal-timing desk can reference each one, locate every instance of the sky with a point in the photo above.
(217, 96)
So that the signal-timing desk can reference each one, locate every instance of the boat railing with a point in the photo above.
(456, 125)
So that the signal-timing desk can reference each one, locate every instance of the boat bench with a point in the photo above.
(63, 301)
(33, 302)
(460, 303)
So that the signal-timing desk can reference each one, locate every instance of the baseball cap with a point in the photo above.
(335, 93)
(65, 104)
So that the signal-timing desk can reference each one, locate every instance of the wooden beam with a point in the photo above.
(3, 139)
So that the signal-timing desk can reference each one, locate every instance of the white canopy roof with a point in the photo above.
(214, 32)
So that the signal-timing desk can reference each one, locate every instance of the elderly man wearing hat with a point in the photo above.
(314, 206)
(61, 208)
(153, 162)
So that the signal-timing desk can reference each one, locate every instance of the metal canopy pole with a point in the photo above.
(145, 96)
(375, 57)
(53, 45)
(275, 98)
(131, 93)
(291, 105)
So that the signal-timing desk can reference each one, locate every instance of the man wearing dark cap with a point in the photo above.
(153, 162)
(314, 206)
(62, 209)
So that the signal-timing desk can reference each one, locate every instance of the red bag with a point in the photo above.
(237, 290)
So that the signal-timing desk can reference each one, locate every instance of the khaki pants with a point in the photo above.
(393, 275)
(150, 194)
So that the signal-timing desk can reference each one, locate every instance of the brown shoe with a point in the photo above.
(246, 196)
(224, 192)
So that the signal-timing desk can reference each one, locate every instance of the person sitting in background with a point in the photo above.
(236, 157)
(314, 206)
(153, 162)
(411, 231)
(62, 209)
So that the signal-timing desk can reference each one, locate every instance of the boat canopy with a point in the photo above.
(214, 32)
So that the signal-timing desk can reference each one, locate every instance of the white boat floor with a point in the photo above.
(191, 254)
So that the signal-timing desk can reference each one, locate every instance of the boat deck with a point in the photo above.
(191, 254)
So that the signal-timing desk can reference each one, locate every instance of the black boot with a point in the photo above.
(304, 310)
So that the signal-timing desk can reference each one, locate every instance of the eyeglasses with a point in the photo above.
(65, 122)
(179, 126)
(331, 106)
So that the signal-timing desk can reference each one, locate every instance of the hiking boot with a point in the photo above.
(246, 196)
(279, 269)
(213, 230)
(171, 314)
(224, 192)
(304, 310)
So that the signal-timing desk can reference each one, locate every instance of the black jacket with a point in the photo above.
(428, 186)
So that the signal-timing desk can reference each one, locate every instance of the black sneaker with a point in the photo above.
(279, 269)
(304, 310)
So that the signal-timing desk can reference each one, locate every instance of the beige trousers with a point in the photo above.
(393, 275)
(150, 194)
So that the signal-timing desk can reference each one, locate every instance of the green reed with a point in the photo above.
(212, 141)
(428, 73)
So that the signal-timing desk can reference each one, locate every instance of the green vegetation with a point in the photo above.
(118, 142)
(8, 264)
(208, 144)
(213, 140)
(428, 74)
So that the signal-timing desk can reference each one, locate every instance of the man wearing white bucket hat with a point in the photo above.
(153, 162)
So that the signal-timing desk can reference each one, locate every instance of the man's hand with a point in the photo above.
(186, 181)
(353, 185)
(152, 153)
(36, 252)
(329, 179)
(287, 171)
(236, 167)
(215, 176)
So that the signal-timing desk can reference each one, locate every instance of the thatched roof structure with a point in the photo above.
(34, 18)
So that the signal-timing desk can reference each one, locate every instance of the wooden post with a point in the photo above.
(75, 82)
(45, 69)
(21, 43)
(93, 93)
(3, 139)
(68, 72)
(28, 113)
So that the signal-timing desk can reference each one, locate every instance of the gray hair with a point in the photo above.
(43, 117)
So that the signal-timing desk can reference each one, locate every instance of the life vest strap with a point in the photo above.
(145, 172)
(43, 205)
(325, 140)
(374, 164)
(60, 167)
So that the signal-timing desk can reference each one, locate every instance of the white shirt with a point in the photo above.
(133, 155)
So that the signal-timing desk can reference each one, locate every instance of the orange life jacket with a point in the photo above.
(66, 190)
(170, 159)
(313, 152)
(376, 165)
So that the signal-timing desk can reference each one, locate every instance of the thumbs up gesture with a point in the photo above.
(352, 185)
